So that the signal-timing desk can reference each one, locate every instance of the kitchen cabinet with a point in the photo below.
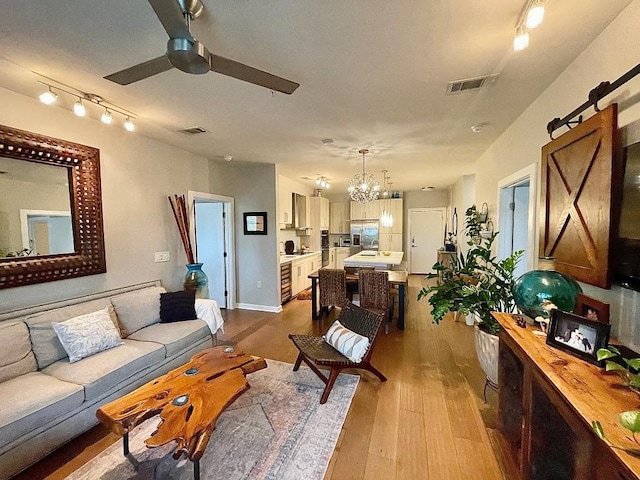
(391, 242)
(341, 254)
(394, 205)
(285, 204)
(365, 211)
(340, 218)
(318, 220)
(332, 257)
(300, 270)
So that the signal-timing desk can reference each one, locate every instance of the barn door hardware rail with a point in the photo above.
(595, 95)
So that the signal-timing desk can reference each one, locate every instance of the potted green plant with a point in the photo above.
(477, 283)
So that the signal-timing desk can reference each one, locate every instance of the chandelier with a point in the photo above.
(322, 182)
(363, 187)
(386, 218)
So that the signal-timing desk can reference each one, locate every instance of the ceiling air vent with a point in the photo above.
(459, 86)
(193, 130)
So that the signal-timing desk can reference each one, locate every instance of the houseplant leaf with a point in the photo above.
(604, 353)
(631, 420)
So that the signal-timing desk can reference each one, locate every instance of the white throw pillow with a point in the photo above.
(87, 334)
(352, 345)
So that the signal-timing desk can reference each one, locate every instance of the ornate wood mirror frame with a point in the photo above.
(83, 163)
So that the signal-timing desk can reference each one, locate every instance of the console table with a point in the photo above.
(547, 400)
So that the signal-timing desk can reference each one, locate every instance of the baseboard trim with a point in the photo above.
(260, 308)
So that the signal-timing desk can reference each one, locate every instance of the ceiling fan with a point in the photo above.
(186, 53)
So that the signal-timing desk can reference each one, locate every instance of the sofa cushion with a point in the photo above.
(87, 334)
(177, 306)
(32, 400)
(176, 337)
(107, 370)
(44, 341)
(137, 309)
(17, 357)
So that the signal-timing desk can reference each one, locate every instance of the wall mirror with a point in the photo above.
(51, 224)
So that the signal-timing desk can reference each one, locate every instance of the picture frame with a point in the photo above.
(591, 308)
(578, 335)
(255, 223)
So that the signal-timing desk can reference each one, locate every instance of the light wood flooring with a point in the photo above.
(428, 421)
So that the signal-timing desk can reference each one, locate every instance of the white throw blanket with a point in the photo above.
(209, 311)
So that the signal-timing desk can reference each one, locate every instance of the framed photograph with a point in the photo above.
(255, 223)
(577, 335)
(591, 308)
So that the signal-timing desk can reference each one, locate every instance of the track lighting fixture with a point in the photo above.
(80, 108)
(48, 97)
(106, 117)
(535, 15)
(531, 17)
(322, 182)
(128, 125)
(521, 40)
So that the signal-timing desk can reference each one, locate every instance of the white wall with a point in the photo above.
(610, 55)
(463, 195)
(137, 175)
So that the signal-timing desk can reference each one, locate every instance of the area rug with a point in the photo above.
(305, 294)
(276, 430)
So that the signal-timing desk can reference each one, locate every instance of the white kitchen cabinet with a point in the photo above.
(391, 242)
(341, 254)
(324, 213)
(365, 211)
(340, 218)
(318, 220)
(300, 270)
(285, 203)
(332, 257)
(395, 207)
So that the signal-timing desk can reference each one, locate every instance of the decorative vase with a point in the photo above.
(197, 280)
(536, 286)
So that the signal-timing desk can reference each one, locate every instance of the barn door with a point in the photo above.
(579, 170)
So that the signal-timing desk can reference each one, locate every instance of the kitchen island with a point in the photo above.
(377, 260)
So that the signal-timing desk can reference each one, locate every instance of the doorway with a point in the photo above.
(426, 236)
(212, 229)
(517, 217)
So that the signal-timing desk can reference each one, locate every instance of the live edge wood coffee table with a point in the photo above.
(189, 400)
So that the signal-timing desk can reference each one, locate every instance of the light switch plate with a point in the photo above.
(162, 257)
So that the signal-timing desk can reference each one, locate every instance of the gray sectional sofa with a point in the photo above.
(45, 401)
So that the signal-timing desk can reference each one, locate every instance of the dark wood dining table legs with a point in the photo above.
(314, 301)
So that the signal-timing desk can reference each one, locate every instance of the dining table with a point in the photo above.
(397, 278)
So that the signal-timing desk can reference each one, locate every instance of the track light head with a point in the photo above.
(48, 97)
(79, 108)
(128, 125)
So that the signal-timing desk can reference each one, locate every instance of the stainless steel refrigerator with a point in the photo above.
(364, 235)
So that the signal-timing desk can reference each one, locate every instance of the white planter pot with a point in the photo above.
(487, 351)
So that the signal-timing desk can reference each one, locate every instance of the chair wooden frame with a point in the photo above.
(315, 352)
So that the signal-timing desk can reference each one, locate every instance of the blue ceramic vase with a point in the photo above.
(197, 280)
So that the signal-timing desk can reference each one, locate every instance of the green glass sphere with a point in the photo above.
(535, 286)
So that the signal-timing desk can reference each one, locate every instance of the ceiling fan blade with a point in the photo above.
(172, 18)
(141, 71)
(249, 74)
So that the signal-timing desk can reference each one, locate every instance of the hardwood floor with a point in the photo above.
(428, 421)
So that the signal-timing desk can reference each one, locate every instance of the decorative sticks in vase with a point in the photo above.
(179, 208)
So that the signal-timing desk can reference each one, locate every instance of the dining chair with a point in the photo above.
(375, 294)
(317, 353)
(333, 288)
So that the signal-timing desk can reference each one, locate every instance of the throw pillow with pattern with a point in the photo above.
(351, 344)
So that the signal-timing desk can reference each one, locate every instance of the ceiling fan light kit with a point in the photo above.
(187, 54)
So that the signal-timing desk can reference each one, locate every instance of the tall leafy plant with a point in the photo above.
(475, 281)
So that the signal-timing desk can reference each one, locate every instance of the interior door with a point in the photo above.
(579, 170)
(426, 234)
(210, 245)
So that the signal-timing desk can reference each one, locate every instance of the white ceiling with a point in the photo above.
(372, 73)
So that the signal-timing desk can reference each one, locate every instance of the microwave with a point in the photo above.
(345, 242)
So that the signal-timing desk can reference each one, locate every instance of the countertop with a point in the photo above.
(295, 256)
(357, 260)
